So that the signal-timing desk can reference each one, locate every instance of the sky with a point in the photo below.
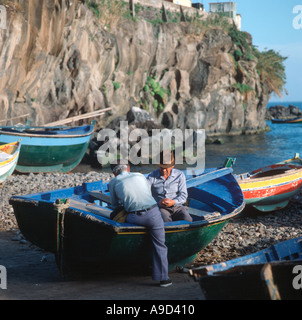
(277, 25)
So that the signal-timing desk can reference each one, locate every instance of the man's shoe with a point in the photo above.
(165, 283)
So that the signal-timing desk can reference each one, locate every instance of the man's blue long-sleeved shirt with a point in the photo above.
(174, 187)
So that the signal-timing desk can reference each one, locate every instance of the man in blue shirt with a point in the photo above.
(132, 191)
(168, 186)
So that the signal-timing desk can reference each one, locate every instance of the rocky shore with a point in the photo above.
(282, 112)
(247, 234)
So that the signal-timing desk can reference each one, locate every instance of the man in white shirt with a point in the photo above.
(132, 191)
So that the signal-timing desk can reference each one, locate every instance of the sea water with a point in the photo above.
(255, 151)
(251, 151)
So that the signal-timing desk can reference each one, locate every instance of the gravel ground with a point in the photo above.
(254, 231)
(24, 184)
(247, 234)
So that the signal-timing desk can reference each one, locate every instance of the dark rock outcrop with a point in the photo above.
(282, 112)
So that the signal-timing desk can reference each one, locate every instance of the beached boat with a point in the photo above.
(288, 250)
(48, 149)
(270, 188)
(266, 274)
(9, 154)
(80, 226)
(292, 120)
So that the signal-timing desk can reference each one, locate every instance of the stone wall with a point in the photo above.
(173, 7)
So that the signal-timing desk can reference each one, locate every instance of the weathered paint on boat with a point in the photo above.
(8, 164)
(289, 250)
(48, 149)
(91, 238)
(270, 188)
(266, 274)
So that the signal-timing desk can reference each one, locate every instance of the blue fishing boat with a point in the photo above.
(292, 121)
(48, 149)
(283, 251)
(266, 274)
(75, 224)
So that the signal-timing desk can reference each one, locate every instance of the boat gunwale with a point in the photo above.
(9, 161)
(254, 179)
(128, 228)
(289, 120)
(32, 135)
(215, 269)
(16, 143)
(50, 197)
(269, 186)
(14, 154)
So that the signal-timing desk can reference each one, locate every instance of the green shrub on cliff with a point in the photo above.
(270, 64)
(243, 88)
(239, 38)
(199, 26)
(159, 94)
(108, 11)
(271, 69)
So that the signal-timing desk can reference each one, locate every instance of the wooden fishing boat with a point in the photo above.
(48, 149)
(265, 281)
(9, 154)
(288, 250)
(270, 188)
(292, 120)
(82, 235)
(266, 274)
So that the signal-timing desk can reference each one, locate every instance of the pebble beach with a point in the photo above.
(244, 235)
(23, 184)
(254, 231)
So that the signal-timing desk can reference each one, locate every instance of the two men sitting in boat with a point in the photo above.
(168, 187)
(151, 209)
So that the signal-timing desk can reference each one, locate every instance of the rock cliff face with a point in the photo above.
(57, 60)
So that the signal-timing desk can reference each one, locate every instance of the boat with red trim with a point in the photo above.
(9, 155)
(270, 188)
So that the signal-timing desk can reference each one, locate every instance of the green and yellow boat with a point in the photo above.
(75, 224)
(48, 149)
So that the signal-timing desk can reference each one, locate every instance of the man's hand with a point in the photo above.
(166, 202)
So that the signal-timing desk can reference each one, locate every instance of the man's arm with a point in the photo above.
(113, 198)
(182, 191)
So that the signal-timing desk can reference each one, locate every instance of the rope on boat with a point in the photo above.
(61, 205)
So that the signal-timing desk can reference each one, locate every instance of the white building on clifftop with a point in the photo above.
(228, 9)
